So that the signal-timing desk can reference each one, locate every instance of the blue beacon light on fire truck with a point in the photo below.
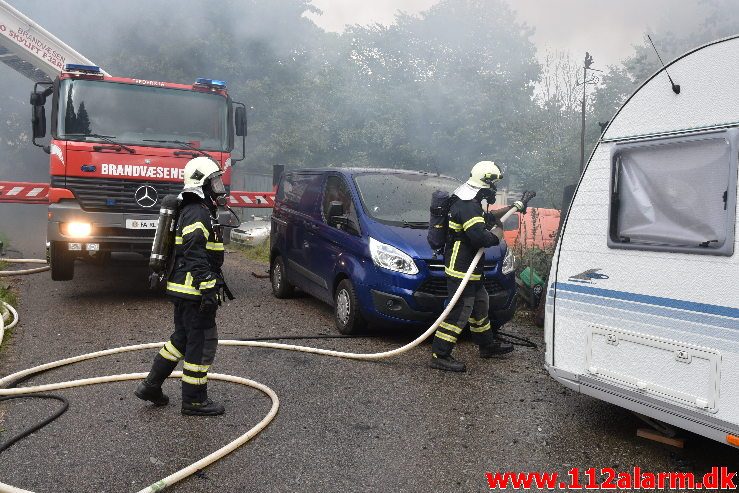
(89, 69)
(212, 83)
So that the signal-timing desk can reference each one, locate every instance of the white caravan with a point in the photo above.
(642, 307)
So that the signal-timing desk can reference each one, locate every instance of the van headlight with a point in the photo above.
(389, 257)
(509, 262)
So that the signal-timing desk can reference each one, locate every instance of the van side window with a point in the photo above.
(299, 191)
(676, 195)
(336, 189)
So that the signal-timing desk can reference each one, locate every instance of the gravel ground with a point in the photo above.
(343, 426)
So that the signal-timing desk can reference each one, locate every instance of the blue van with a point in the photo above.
(356, 239)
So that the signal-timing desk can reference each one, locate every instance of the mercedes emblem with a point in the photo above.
(146, 196)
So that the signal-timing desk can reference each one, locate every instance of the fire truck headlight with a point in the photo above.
(78, 230)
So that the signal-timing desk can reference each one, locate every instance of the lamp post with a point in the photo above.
(586, 66)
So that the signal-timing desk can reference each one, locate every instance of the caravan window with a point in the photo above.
(677, 195)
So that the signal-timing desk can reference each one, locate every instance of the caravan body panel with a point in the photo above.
(645, 321)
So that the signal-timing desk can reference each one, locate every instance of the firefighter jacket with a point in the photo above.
(467, 234)
(198, 253)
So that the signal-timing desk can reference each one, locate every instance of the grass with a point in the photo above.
(4, 242)
(7, 294)
(259, 253)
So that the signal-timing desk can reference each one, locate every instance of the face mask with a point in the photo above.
(486, 194)
(216, 190)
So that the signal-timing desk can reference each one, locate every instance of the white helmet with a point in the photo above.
(199, 170)
(484, 175)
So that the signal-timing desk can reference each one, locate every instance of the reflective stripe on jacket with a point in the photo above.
(198, 253)
(467, 234)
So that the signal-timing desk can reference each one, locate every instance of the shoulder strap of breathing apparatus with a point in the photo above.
(161, 260)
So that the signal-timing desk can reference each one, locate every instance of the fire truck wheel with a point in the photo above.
(62, 261)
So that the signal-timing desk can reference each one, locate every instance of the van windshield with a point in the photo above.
(400, 199)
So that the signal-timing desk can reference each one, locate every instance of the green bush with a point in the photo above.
(539, 260)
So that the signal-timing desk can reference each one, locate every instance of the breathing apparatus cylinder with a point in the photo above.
(164, 239)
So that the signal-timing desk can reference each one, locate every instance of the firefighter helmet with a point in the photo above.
(198, 170)
(484, 175)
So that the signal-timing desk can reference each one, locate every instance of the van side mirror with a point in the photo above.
(240, 121)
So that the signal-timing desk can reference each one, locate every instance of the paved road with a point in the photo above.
(343, 426)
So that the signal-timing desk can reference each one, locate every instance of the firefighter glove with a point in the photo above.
(521, 205)
(210, 301)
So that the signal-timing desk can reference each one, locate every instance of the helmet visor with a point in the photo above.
(492, 178)
(216, 184)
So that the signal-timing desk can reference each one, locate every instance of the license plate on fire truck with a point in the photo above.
(141, 224)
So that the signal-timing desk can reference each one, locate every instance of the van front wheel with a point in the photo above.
(280, 287)
(346, 309)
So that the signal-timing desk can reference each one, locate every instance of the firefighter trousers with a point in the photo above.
(194, 340)
(471, 308)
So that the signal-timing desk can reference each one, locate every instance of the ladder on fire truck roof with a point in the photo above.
(31, 50)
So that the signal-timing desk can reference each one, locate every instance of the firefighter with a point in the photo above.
(195, 286)
(467, 234)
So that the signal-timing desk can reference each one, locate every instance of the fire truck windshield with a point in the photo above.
(137, 115)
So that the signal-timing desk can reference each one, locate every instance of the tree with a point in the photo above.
(721, 20)
(70, 117)
(550, 135)
(438, 91)
(83, 120)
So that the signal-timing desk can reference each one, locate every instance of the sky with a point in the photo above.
(606, 28)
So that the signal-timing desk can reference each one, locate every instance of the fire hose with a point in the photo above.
(7, 312)
(6, 273)
(10, 380)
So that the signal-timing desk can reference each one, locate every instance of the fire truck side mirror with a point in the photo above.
(240, 121)
(38, 122)
(38, 99)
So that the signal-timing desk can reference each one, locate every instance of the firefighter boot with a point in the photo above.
(446, 363)
(151, 392)
(496, 349)
(151, 388)
(205, 408)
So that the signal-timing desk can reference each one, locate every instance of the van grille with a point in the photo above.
(436, 286)
(114, 195)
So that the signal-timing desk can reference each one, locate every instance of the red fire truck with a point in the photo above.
(118, 146)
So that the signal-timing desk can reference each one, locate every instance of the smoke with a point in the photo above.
(438, 90)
